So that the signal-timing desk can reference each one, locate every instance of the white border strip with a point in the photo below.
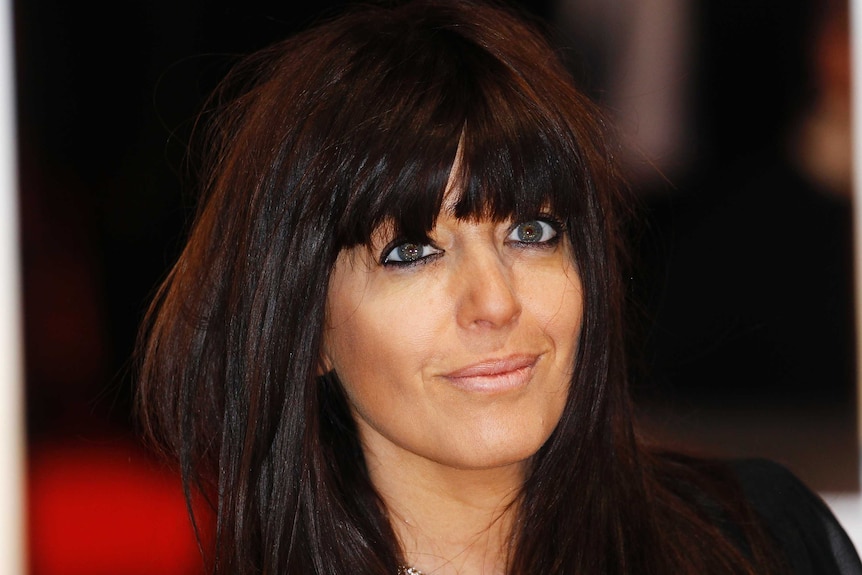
(12, 530)
(848, 506)
(856, 112)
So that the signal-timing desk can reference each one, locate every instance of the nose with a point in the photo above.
(489, 298)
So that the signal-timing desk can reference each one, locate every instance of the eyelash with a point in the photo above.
(423, 258)
(546, 223)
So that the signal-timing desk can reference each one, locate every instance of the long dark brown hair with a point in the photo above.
(315, 143)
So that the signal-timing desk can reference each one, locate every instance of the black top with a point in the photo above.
(803, 527)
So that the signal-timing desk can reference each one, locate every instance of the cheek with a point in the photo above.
(572, 309)
(385, 325)
(349, 344)
(349, 350)
(374, 349)
(343, 333)
(557, 305)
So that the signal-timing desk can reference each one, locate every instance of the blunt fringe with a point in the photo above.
(316, 142)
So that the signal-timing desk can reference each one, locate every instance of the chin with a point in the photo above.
(501, 450)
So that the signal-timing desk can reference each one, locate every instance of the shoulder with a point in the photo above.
(801, 524)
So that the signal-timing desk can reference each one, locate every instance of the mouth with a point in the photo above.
(495, 375)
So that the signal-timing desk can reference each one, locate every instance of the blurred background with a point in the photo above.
(736, 123)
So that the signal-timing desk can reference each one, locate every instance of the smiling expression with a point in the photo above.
(460, 351)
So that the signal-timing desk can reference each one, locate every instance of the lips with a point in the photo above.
(495, 375)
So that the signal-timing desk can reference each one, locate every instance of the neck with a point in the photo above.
(448, 521)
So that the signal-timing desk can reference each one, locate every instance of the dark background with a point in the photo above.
(743, 270)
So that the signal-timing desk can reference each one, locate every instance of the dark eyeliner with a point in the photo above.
(387, 249)
(394, 244)
(555, 223)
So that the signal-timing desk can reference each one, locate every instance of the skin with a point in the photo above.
(457, 368)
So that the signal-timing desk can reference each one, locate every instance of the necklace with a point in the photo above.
(409, 571)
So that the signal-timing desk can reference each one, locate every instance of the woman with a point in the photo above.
(393, 342)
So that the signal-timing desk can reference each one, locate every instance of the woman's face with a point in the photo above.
(458, 352)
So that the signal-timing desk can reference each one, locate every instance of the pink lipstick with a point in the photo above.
(495, 375)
